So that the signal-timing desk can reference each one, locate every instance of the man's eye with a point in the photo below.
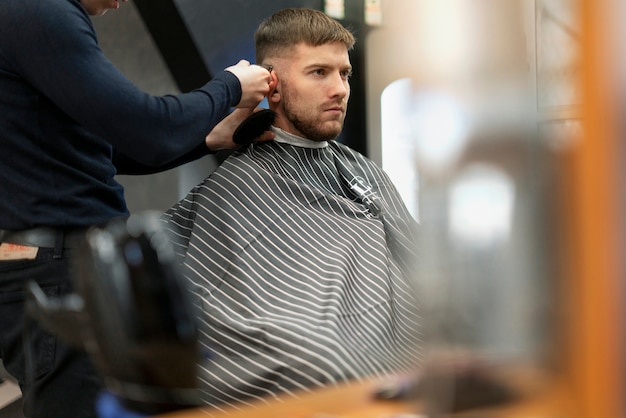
(319, 72)
(346, 74)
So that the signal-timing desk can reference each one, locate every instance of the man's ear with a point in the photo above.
(273, 80)
(274, 95)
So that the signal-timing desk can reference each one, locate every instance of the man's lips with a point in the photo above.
(335, 109)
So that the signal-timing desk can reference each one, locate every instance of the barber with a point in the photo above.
(69, 122)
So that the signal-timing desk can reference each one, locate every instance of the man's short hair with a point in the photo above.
(289, 27)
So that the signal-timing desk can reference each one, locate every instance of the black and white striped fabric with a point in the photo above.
(291, 267)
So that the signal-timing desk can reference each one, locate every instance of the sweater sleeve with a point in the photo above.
(126, 165)
(59, 54)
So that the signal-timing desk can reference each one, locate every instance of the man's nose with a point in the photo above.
(339, 86)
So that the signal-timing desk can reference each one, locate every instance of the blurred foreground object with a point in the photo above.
(489, 207)
(521, 244)
(489, 266)
(130, 312)
(109, 406)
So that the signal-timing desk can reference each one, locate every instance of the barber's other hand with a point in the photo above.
(255, 82)
(221, 137)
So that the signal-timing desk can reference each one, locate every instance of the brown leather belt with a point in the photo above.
(45, 237)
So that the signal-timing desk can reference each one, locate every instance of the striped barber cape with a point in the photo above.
(299, 261)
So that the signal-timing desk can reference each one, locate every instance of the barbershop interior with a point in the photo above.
(499, 124)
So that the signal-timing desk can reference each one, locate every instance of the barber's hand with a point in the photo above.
(255, 83)
(221, 137)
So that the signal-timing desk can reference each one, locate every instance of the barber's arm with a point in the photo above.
(130, 166)
(85, 85)
(220, 138)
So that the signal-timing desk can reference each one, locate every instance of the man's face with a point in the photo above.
(313, 87)
(99, 7)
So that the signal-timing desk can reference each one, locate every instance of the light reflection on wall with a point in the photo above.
(481, 206)
(430, 127)
(440, 128)
(398, 144)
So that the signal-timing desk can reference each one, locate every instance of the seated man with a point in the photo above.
(299, 250)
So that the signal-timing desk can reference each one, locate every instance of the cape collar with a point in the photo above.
(287, 138)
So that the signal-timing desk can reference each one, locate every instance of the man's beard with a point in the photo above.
(307, 123)
(311, 129)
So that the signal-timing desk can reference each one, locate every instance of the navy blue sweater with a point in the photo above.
(70, 121)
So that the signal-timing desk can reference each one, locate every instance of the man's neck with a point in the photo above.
(287, 138)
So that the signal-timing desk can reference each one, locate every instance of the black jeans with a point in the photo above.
(65, 383)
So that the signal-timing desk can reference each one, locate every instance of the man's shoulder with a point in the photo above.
(41, 9)
(350, 153)
(46, 19)
(242, 162)
(64, 11)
